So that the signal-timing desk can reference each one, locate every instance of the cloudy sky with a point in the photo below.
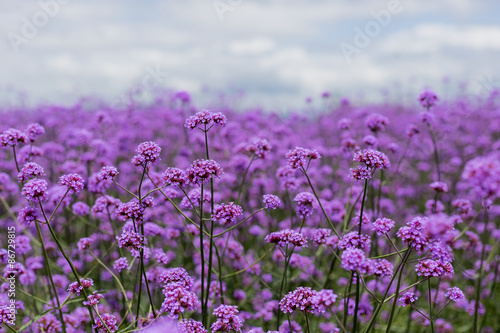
(277, 51)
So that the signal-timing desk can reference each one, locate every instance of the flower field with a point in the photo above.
(167, 217)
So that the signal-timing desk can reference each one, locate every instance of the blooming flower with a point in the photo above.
(407, 299)
(306, 202)
(11, 138)
(434, 268)
(93, 299)
(427, 98)
(324, 300)
(440, 187)
(298, 157)
(383, 225)
(148, 153)
(34, 130)
(227, 319)
(271, 201)
(108, 322)
(73, 181)
(35, 190)
(227, 213)
(107, 173)
(355, 259)
(354, 240)
(299, 299)
(200, 171)
(120, 264)
(285, 237)
(175, 176)
(30, 170)
(190, 326)
(454, 294)
(178, 299)
(372, 159)
(204, 119)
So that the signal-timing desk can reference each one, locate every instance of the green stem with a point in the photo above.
(319, 202)
(244, 177)
(393, 309)
(307, 323)
(436, 155)
(430, 304)
(49, 272)
(15, 158)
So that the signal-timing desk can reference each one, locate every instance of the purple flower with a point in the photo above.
(27, 215)
(47, 323)
(176, 275)
(73, 181)
(93, 299)
(178, 299)
(306, 202)
(204, 119)
(30, 170)
(107, 173)
(320, 236)
(454, 294)
(271, 201)
(301, 299)
(360, 173)
(285, 237)
(383, 225)
(120, 264)
(34, 130)
(407, 299)
(427, 98)
(382, 267)
(110, 322)
(131, 210)
(439, 187)
(84, 243)
(148, 153)
(413, 234)
(227, 319)
(354, 240)
(200, 171)
(175, 176)
(324, 300)
(376, 122)
(131, 239)
(434, 268)
(372, 159)
(35, 190)
(195, 197)
(81, 208)
(191, 326)
(355, 259)
(76, 288)
(227, 213)
(259, 147)
(104, 204)
(11, 137)
(299, 157)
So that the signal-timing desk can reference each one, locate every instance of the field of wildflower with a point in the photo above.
(167, 217)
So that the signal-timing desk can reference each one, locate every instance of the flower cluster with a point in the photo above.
(284, 237)
(434, 268)
(407, 299)
(148, 153)
(372, 159)
(204, 119)
(73, 181)
(271, 201)
(227, 213)
(30, 170)
(201, 171)
(299, 157)
(227, 319)
(306, 202)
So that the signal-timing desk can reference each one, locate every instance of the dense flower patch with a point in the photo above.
(171, 218)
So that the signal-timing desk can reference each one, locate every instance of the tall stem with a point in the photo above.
(430, 304)
(240, 189)
(49, 272)
(319, 202)
(436, 154)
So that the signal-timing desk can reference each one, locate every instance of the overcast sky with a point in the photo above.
(277, 51)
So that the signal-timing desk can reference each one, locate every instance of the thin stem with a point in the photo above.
(244, 177)
(319, 202)
(307, 323)
(393, 309)
(430, 304)
(202, 254)
(49, 272)
(15, 158)
(436, 155)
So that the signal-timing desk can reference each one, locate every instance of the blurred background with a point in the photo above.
(273, 53)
